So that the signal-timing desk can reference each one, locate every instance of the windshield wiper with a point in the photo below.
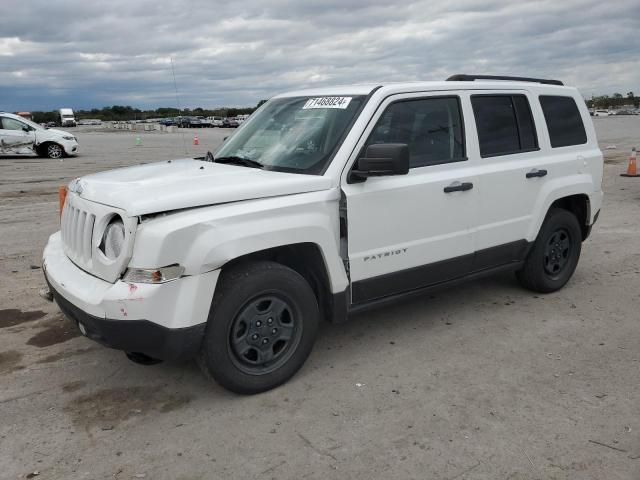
(235, 160)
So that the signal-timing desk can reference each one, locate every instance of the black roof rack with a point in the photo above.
(462, 77)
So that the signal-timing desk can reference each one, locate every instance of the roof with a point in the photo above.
(389, 88)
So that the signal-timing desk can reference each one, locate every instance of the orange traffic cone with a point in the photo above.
(632, 168)
(195, 140)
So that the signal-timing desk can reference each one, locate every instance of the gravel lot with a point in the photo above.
(484, 381)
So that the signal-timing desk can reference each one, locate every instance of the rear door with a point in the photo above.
(511, 170)
(518, 154)
(410, 231)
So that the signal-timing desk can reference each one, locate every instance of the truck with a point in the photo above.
(327, 202)
(66, 118)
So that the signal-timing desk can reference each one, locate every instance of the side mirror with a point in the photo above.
(26, 129)
(382, 159)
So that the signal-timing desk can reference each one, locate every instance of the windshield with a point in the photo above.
(297, 134)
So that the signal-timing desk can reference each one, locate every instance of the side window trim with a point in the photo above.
(463, 133)
(518, 125)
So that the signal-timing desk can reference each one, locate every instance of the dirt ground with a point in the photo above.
(484, 381)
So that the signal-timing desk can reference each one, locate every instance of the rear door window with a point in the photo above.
(564, 122)
(505, 124)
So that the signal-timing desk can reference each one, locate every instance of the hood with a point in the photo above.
(55, 131)
(175, 184)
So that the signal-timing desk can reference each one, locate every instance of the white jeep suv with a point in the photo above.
(326, 202)
(21, 136)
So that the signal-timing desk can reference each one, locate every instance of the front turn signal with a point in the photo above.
(153, 275)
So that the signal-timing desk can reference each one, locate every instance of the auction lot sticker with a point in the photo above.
(327, 102)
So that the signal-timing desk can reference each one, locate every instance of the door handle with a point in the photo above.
(458, 187)
(536, 173)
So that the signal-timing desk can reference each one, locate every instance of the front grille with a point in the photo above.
(77, 232)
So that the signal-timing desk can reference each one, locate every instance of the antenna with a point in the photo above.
(175, 85)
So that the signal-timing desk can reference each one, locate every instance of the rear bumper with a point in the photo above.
(141, 336)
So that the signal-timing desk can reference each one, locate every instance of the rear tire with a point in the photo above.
(555, 253)
(261, 327)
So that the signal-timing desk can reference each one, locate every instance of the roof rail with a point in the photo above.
(462, 77)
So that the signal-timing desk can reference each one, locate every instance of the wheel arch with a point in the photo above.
(580, 206)
(41, 148)
(568, 193)
(306, 259)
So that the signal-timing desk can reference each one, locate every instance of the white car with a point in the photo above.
(326, 202)
(601, 113)
(241, 118)
(215, 121)
(21, 136)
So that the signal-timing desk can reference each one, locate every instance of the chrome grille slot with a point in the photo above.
(77, 233)
(72, 232)
(82, 217)
(86, 237)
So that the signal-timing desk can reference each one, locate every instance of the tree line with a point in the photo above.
(126, 112)
(615, 101)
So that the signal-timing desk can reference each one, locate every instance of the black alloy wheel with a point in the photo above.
(557, 252)
(263, 335)
(261, 327)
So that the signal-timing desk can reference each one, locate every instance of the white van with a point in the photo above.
(215, 121)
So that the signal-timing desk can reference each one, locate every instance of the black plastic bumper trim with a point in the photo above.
(140, 336)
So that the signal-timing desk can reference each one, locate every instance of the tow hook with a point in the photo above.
(46, 294)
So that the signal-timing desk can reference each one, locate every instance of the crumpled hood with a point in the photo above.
(59, 132)
(175, 184)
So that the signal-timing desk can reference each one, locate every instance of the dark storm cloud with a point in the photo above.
(86, 54)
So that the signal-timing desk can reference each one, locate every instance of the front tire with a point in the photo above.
(555, 253)
(261, 327)
(53, 150)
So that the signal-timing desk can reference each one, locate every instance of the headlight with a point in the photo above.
(113, 238)
(68, 137)
(153, 275)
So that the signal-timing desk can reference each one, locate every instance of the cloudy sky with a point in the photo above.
(87, 54)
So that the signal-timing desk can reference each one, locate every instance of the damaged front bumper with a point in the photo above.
(136, 336)
(164, 321)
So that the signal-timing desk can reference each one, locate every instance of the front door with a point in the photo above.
(409, 231)
(15, 136)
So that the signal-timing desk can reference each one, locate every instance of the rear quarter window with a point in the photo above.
(564, 122)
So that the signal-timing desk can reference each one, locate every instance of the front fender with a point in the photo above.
(204, 239)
